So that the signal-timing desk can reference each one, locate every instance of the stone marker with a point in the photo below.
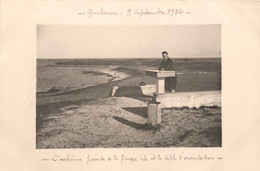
(160, 75)
(113, 91)
(154, 113)
(154, 107)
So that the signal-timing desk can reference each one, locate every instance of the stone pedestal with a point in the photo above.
(160, 75)
(154, 113)
(154, 107)
(160, 86)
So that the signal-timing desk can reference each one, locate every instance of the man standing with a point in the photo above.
(167, 65)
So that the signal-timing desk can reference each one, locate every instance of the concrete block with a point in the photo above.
(154, 113)
(190, 99)
(148, 90)
(160, 74)
(160, 86)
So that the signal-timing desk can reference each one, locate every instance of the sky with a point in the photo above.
(128, 41)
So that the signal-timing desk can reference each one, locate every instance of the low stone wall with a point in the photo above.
(169, 100)
(190, 99)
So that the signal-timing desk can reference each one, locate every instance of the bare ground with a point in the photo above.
(121, 122)
(88, 117)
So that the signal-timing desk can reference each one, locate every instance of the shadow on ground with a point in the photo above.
(136, 125)
(214, 135)
(140, 111)
(129, 91)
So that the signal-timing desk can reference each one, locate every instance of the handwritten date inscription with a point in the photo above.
(135, 12)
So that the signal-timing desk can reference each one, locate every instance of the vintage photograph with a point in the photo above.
(128, 86)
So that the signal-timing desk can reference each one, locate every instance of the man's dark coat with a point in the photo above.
(170, 82)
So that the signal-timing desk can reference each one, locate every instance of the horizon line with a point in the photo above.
(133, 58)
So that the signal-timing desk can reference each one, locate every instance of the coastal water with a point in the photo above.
(71, 77)
(61, 75)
